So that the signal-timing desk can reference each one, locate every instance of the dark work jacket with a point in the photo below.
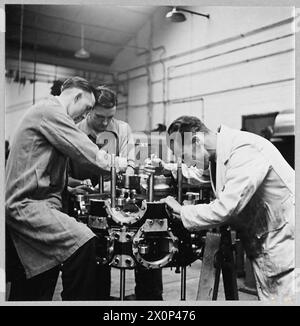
(35, 177)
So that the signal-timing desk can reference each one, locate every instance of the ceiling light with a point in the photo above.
(176, 15)
(82, 53)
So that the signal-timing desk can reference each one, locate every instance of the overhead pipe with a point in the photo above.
(137, 77)
(28, 27)
(213, 56)
(126, 103)
(34, 69)
(198, 72)
(21, 44)
(161, 61)
(148, 69)
(165, 78)
(163, 81)
(70, 21)
(166, 100)
(13, 57)
(199, 97)
(34, 77)
(233, 50)
(218, 43)
(49, 75)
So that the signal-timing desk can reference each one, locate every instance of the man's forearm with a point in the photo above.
(193, 175)
(72, 182)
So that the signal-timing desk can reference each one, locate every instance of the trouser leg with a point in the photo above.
(277, 288)
(37, 288)
(103, 281)
(148, 284)
(13, 267)
(79, 274)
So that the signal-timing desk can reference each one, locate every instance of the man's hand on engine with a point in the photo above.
(129, 170)
(121, 164)
(86, 183)
(173, 204)
(79, 190)
(153, 164)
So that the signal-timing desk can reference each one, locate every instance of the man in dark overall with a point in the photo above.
(45, 239)
(101, 121)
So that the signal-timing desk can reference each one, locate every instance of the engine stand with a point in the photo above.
(218, 257)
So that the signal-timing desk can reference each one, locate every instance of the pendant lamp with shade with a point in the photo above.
(82, 53)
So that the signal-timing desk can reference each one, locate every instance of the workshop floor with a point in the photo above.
(171, 285)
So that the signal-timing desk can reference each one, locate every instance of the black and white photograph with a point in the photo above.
(150, 153)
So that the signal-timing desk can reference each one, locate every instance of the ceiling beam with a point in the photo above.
(57, 52)
(70, 21)
(56, 57)
(15, 26)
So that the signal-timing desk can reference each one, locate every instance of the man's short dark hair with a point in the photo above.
(185, 126)
(105, 97)
(77, 82)
(187, 123)
(56, 87)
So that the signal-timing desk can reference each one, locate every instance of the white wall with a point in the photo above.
(269, 64)
(205, 79)
(18, 98)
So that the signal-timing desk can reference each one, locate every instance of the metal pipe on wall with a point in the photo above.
(49, 75)
(163, 84)
(34, 65)
(149, 104)
(166, 78)
(149, 84)
(198, 72)
(234, 50)
(202, 109)
(215, 56)
(203, 95)
(76, 22)
(127, 101)
(34, 77)
(198, 97)
(21, 44)
(64, 34)
(218, 43)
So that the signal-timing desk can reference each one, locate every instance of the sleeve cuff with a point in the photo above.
(184, 215)
(121, 163)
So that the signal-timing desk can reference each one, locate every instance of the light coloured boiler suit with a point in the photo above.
(255, 193)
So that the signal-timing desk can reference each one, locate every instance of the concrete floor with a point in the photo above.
(171, 285)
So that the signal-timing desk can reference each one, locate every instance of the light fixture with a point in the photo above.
(177, 16)
(82, 53)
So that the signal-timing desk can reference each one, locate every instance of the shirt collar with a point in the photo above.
(225, 138)
(111, 127)
(61, 103)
